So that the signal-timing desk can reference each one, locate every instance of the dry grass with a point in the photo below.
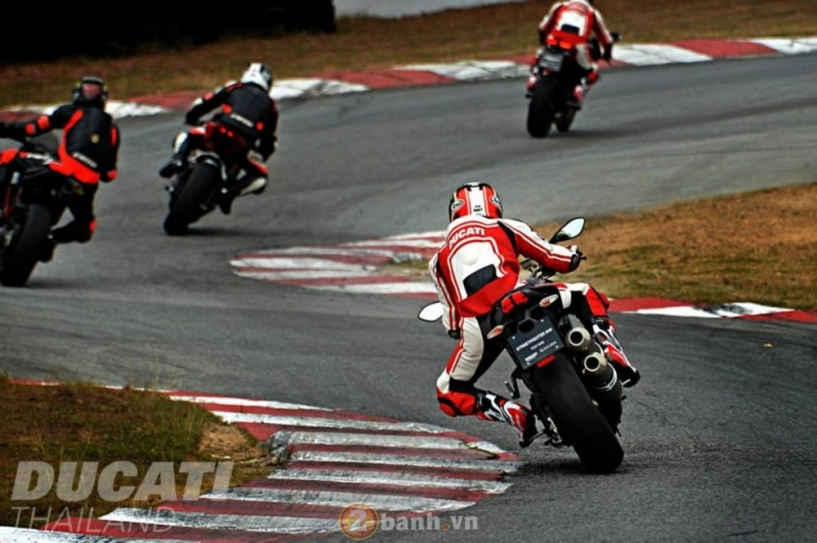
(754, 247)
(76, 422)
(361, 43)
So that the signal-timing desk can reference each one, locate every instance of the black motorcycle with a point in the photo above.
(34, 200)
(575, 393)
(205, 178)
(557, 75)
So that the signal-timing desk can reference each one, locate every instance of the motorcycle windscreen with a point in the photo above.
(530, 347)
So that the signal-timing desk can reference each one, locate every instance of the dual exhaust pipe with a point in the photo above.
(595, 370)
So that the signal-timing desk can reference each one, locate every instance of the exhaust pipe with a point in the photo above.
(578, 339)
(601, 378)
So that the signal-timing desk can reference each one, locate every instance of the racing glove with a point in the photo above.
(577, 257)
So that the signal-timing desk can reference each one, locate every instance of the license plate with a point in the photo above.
(529, 348)
(551, 61)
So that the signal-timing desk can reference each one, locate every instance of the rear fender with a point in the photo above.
(214, 161)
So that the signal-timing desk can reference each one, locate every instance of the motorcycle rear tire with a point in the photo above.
(21, 255)
(193, 199)
(540, 108)
(580, 423)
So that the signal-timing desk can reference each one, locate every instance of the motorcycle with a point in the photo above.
(34, 200)
(204, 179)
(575, 393)
(557, 74)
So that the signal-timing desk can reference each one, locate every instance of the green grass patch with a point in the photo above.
(81, 422)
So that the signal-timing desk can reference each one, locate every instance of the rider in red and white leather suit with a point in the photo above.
(478, 264)
(576, 22)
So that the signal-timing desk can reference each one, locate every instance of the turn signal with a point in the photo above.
(548, 300)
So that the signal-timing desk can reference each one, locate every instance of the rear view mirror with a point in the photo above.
(571, 229)
(431, 312)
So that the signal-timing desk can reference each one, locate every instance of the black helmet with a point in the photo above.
(90, 91)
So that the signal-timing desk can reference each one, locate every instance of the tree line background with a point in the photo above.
(99, 29)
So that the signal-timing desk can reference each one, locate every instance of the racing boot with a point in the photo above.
(173, 167)
(605, 334)
(46, 253)
(181, 147)
(529, 86)
(248, 184)
(531, 82)
(517, 415)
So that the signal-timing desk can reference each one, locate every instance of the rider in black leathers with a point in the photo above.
(88, 153)
(247, 109)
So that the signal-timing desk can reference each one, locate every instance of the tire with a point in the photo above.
(540, 108)
(193, 199)
(20, 257)
(580, 423)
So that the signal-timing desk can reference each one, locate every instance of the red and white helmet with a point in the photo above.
(475, 199)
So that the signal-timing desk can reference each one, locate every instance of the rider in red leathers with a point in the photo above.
(576, 22)
(475, 267)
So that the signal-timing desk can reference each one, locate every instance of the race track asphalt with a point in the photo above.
(720, 435)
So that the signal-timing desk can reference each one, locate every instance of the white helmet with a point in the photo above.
(259, 74)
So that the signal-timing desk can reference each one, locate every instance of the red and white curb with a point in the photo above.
(333, 459)
(358, 267)
(645, 54)
(350, 267)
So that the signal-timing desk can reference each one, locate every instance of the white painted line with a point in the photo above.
(789, 46)
(297, 88)
(749, 308)
(313, 422)
(388, 478)
(687, 311)
(408, 243)
(503, 466)
(375, 440)
(249, 523)
(437, 235)
(404, 287)
(298, 263)
(485, 446)
(245, 403)
(472, 70)
(24, 535)
(303, 274)
(381, 502)
(652, 54)
(117, 109)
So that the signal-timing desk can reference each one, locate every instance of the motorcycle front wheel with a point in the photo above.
(26, 245)
(559, 389)
(192, 199)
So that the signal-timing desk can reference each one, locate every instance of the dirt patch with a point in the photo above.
(754, 247)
